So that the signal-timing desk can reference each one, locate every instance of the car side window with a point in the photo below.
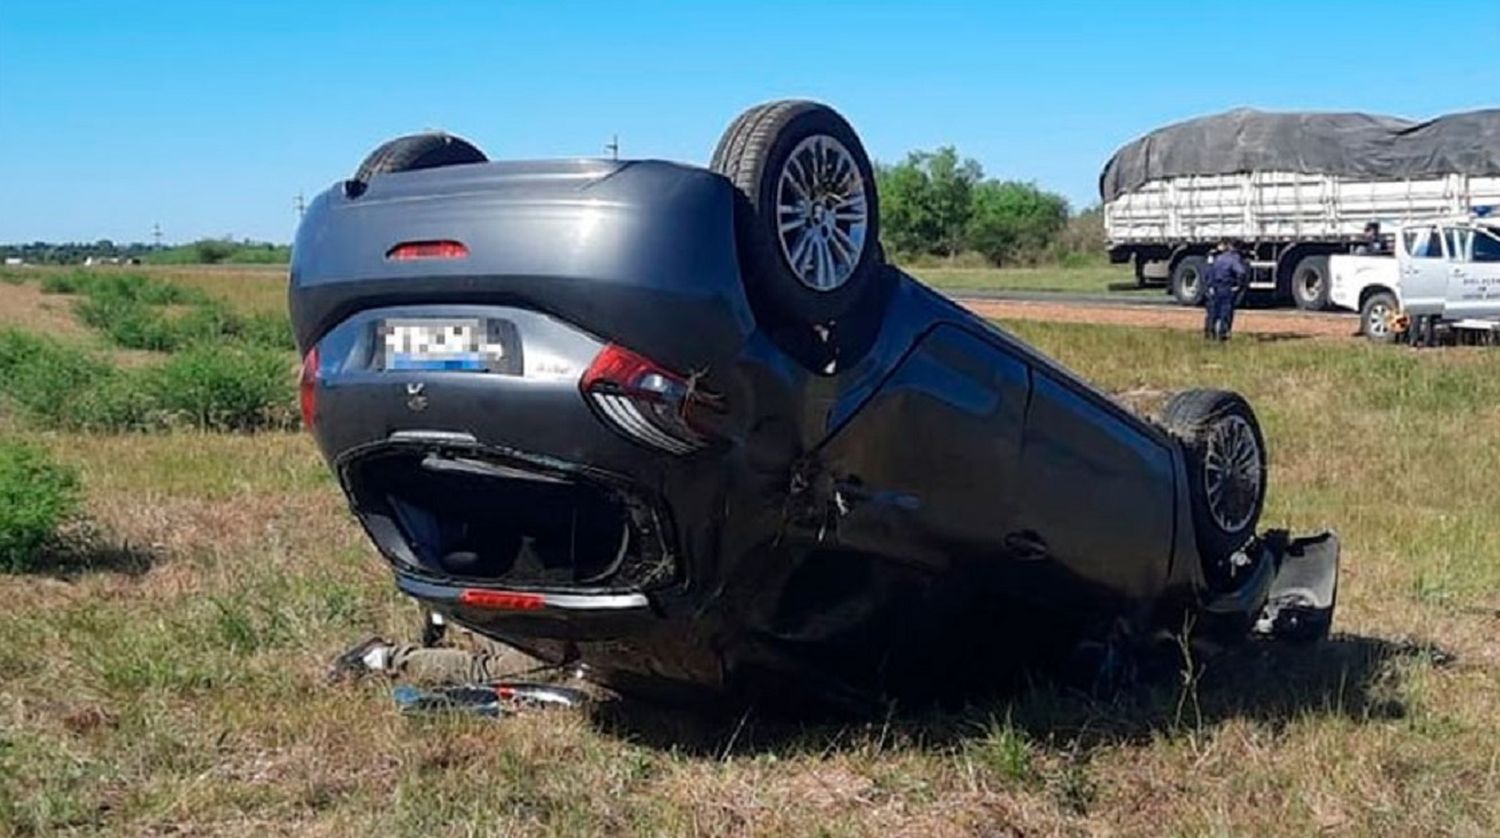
(1486, 247)
(1458, 243)
(1424, 243)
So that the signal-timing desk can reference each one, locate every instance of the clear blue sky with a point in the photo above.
(209, 117)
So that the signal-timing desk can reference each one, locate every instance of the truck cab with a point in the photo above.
(1447, 271)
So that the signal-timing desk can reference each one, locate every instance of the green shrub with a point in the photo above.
(68, 283)
(265, 329)
(215, 386)
(43, 379)
(228, 388)
(140, 289)
(138, 312)
(36, 496)
(132, 319)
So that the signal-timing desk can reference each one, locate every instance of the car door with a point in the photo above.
(1424, 273)
(1474, 275)
(926, 472)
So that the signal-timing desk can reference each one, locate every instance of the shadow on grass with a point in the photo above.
(1273, 683)
(83, 551)
(1272, 337)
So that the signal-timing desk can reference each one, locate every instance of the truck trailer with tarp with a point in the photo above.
(1290, 189)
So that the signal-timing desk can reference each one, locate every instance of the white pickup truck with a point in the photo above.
(1438, 273)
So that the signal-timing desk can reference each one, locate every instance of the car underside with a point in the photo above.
(687, 428)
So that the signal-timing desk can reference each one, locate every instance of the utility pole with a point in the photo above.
(613, 147)
(156, 234)
(300, 204)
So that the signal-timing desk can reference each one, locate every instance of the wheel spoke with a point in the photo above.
(799, 252)
(845, 244)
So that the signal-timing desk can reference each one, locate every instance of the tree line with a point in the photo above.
(937, 204)
(203, 252)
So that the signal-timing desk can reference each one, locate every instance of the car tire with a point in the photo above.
(1226, 471)
(807, 217)
(429, 150)
(1310, 283)
(1375, 317)
(1189, 280)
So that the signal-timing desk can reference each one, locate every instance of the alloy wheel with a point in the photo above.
(821, 213)
(1232, 473)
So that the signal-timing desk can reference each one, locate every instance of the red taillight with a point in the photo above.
(502, 600)
(646, 402)
(444, 249)
(618, 368)
(307, 388)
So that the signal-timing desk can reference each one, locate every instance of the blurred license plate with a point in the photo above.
(460, 344)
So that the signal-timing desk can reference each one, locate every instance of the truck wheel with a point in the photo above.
(1188, 280)
(411, 152)
(1226, 471)
(808, 222)
(1377, 317)
(1310, 283)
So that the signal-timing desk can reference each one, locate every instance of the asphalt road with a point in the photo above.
(1134, 299)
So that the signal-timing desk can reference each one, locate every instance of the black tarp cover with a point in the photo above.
(1365, 146)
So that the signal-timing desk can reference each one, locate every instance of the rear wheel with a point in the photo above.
(410, 153)
(808, 224)
(1310, 283)
(1188, 280)
(1226, 466)
(1377, 317)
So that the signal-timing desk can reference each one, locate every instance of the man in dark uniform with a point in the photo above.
(1227, 275)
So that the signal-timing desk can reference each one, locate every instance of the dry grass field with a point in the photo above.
(163, 670)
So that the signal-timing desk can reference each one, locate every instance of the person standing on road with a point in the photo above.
(1226, 278)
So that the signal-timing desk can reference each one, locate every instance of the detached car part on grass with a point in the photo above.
(688, 428)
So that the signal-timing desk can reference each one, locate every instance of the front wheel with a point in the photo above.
(1377, 317)
(1226, 471)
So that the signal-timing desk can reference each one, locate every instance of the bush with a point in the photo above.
(43, 379)
(133, 314)
(221, 387)
(940, 204)
(1015, 222)
(213, 251)
(267, 330)
(234, 388)
(36, 497)
(69, 283)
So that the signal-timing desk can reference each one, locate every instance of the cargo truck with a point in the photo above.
(1291, 190)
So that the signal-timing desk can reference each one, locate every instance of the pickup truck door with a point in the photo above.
(1474, 273)
(1424, 273)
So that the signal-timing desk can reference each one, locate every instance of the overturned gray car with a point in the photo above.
(688, 428)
